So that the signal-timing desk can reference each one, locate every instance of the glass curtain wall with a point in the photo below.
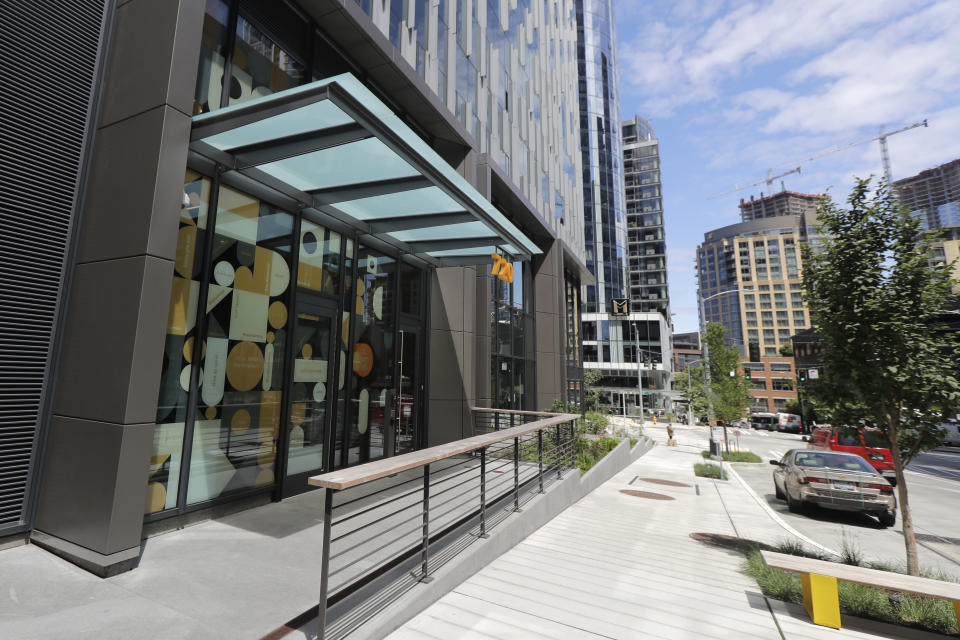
(512, 332)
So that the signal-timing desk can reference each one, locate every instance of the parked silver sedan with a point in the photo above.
(834, 480)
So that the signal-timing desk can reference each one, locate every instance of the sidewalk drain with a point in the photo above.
(646, 494)
(668, 483)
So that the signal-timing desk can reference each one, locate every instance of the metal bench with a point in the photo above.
(819, 577)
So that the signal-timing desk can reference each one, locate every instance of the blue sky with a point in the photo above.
(734, 88)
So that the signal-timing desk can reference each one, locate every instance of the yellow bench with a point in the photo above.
(820, 577)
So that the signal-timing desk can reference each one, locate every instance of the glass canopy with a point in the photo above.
(338, 151)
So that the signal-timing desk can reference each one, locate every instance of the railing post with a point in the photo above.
(425, 553)
(483, 493)
(573, 444)
(558, 454)
(325, 563)
(540, 457)
(516, 474)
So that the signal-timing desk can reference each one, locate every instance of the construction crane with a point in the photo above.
(768, 182)
(884, 157)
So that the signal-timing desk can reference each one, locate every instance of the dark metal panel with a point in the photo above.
(51, 52)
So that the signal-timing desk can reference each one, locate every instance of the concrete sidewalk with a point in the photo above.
(617, 565)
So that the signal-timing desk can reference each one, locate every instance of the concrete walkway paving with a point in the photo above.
(616, 565)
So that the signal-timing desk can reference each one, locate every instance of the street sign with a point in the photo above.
(716, 434)
(814, 374)
(621, 306)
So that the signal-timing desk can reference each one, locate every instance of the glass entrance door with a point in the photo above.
(310, 400)
(409, 391)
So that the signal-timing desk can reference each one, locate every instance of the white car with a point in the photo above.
(953, 434)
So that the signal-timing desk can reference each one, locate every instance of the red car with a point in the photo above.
(870, 444)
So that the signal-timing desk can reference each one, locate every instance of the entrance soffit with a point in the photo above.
(341, 154)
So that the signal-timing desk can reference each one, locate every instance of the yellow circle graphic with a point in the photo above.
(244, 366)
(277, 315)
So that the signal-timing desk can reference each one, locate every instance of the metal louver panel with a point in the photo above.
(48, 56)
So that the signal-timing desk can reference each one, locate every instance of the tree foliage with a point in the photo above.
(875, 299)
(591, 395)
(728, 393)
(693, 384)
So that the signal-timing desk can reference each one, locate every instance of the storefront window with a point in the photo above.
(239, 404)
(213, 51)
(179, 352)
(372, 387)
(260, 66)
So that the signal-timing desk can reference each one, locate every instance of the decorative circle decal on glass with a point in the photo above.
(188, 349)
(373, 264)
(319, 392)
(240, 422)
(211, 413)
(363, 411)
(309, 243)
(307, 350)
(244, 366)
(279, 274)
(296, 438)
(277, 315)
(378, 303)
(362, 360)
(270, 337)
(185, 378)
(223, 273)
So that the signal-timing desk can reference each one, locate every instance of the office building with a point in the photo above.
(750, 281)
(261, 245)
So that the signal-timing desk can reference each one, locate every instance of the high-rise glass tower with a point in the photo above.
(600, 147)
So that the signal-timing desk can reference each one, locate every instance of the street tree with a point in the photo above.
(591, 394)
(693, 384)
(875, 299)
(729, 394)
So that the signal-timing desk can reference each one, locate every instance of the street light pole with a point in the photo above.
(636, 333)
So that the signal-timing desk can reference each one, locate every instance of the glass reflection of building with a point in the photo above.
(263, 325)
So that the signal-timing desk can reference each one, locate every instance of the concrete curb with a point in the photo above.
(536, 513)
(773, 514)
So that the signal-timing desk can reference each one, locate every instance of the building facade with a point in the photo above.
(646, 240)
(750, 281)
(277, 233)
(933, 196)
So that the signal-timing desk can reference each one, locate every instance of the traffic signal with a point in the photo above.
(802, 375)
(746, 374)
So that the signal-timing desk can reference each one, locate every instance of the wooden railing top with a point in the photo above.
(360, 474)
(863, 575)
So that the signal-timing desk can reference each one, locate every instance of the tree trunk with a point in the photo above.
(906, 519)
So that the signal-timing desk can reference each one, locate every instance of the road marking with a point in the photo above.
(773, 514)
(777, 454)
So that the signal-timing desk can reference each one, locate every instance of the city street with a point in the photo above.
(933, 480)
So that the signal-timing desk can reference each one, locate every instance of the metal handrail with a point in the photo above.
(378, 566)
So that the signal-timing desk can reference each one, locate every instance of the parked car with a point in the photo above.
(953, 434)
(870, 444)
(833, 480)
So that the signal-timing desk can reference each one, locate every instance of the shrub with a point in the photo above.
(707, 470)
(589, 451)
(595, 423)
(735, 456)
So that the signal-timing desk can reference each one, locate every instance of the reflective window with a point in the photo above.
(260, 66)
(372, 374)
(238, 408)
(213, 51)
(180, 348)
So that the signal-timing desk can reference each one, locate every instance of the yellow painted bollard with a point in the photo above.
(821, 599)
